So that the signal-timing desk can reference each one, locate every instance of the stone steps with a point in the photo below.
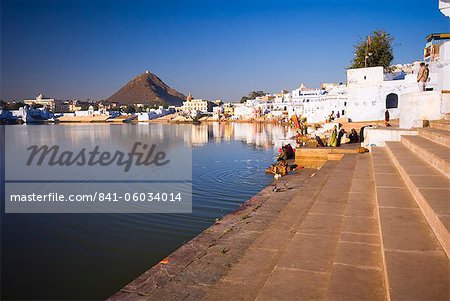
(350, 231)
(311, 162)
(439, 136)
(442, 124)
(331, 251)
(299, 256)
(429, 188)
(357, 272)
(435, 154)
(363, 237)
(197, 266)
(415, 264)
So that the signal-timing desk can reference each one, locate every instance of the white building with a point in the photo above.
(52, 104)
(437, 55)
(317, 104)
(371, 93)
(283, 105)
(89, 113)
(199, 105)
(244, 111)
(218, 112)
(154, 113)
(444, 6)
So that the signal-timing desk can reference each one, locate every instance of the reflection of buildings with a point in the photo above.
(199, 134)
(227, 132)
(257, 134)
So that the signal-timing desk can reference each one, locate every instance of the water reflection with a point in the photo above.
(91, 256)
(257, 134)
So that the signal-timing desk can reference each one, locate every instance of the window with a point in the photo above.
(392, 101)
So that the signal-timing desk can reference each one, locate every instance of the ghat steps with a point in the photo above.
(424, 164)
(365, 227)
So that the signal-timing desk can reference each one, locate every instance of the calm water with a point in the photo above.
(91, 256)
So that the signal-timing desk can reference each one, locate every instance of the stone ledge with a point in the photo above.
(433, 153)
(439, 136)
(213, 251)
(434, 219)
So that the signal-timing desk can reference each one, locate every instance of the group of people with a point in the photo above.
(303, 128)
(286, 152)
(332, 116)
(282, 167)
(336, 137)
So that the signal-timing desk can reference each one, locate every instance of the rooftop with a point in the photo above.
(437, 36)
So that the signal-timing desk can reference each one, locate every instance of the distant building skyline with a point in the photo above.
(78, 49)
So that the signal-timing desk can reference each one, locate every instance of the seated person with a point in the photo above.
(353, 136)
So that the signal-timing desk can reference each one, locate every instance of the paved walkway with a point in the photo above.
(331, 251)
(350, 231)
(197, 266)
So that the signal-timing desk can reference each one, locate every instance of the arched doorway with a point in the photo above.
(392, 101)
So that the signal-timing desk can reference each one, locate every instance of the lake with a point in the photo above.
(91, 256)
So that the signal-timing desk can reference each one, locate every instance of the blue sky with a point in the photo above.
(214, 49)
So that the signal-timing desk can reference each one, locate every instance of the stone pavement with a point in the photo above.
(368, 227)
(416, 265)
(194, 268)
(330, 252)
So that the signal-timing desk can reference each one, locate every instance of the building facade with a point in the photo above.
(199, 105)
(371, 93)
(52, 104)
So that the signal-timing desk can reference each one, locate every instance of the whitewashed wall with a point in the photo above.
(367, 92)
(419, 106)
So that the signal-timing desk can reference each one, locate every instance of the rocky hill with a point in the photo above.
(149, 89)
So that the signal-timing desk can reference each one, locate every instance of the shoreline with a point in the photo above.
(345, 124)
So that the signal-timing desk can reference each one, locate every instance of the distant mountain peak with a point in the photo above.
(147, 88)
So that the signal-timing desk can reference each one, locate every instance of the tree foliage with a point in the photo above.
(378, 52)
(129, 109)
(11, 105)
(252, 95)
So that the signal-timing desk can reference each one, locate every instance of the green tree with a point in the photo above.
(130, 109)
(252, 95)
(243, 99)
(374, 51)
